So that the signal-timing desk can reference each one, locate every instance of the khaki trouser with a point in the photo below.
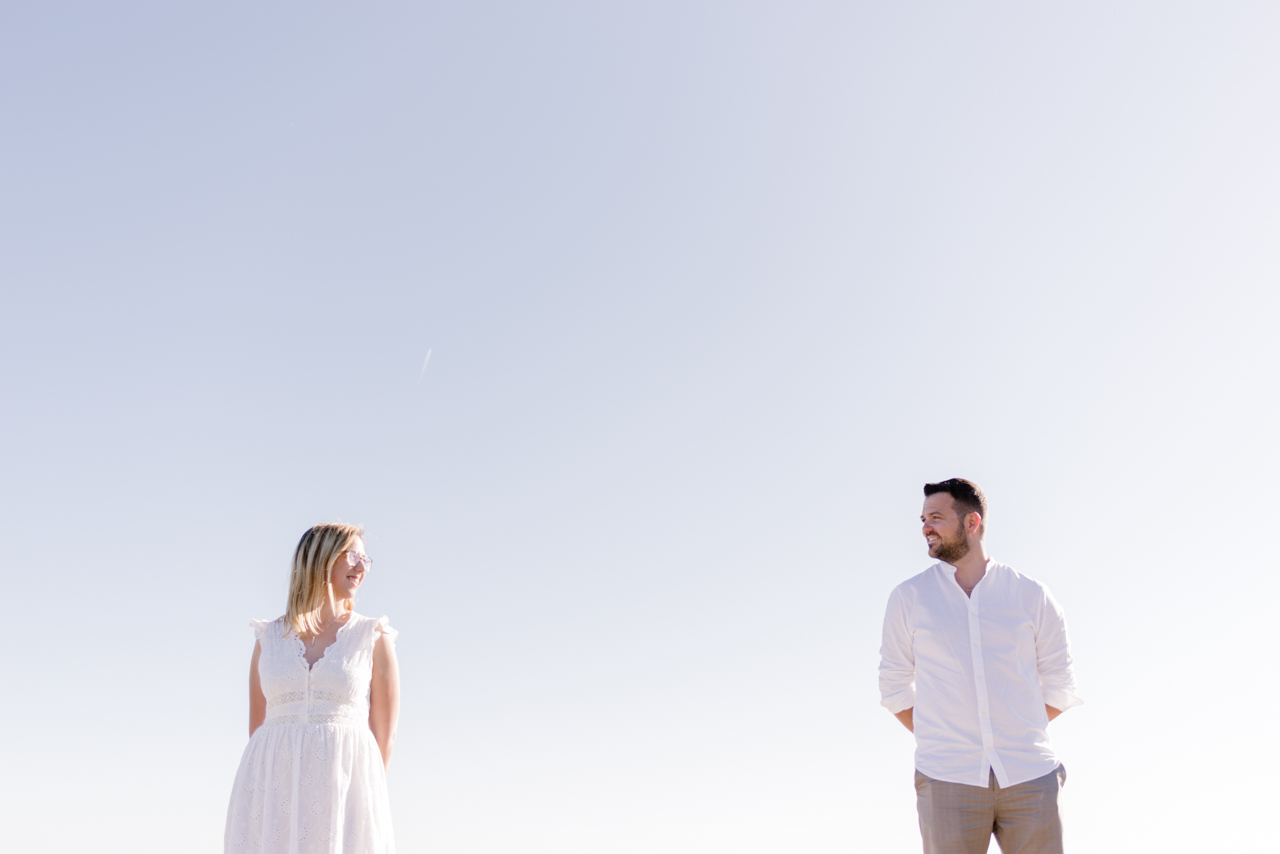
(959, 819)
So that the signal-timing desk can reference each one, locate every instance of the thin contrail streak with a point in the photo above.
(423, 372)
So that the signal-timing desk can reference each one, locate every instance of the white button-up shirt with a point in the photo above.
(978, 670)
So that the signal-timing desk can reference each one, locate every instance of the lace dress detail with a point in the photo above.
(311, 780)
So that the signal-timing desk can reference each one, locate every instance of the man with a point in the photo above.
(975, 663)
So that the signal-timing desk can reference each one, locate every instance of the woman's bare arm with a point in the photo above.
(257, 700)
(384, 697)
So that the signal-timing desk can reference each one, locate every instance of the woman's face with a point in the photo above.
(348, 572)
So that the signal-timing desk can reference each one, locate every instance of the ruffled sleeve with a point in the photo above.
(383, 628)
(259, 627)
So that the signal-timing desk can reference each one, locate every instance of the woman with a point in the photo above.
(324, 698)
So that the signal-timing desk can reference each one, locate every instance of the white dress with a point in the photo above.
(311, 780)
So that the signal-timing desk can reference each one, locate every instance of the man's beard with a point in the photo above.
(950, 551)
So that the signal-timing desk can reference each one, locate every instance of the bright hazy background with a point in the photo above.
(710, 290)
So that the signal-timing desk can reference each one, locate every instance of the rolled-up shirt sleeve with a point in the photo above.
(1053, 657)
(897, 658)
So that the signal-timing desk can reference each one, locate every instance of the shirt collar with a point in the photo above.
(947, 567)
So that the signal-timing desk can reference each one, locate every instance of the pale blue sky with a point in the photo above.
(710, 291)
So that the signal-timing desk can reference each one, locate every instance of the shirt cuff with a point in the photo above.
(900, 701)
(1060, 699)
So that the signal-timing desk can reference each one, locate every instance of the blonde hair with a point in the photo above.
(309, 581)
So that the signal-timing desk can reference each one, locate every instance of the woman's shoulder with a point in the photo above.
(260, 627)
(374, 627)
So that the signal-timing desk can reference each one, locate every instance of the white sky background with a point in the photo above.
(710, 290)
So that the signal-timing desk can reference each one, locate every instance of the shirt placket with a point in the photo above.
(980, 677)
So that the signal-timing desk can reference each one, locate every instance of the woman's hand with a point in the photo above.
(384, 697)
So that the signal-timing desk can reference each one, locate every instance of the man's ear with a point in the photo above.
(973, 523)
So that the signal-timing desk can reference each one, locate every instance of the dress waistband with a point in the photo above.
(324, 709)
(301, 696)
(342, 720)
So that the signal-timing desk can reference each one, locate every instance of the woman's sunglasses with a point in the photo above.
(354, 558)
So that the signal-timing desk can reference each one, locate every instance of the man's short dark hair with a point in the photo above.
(965, 494)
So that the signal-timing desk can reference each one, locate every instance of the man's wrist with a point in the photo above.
(906, 718)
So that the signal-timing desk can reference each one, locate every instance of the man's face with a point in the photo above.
(943, 528)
